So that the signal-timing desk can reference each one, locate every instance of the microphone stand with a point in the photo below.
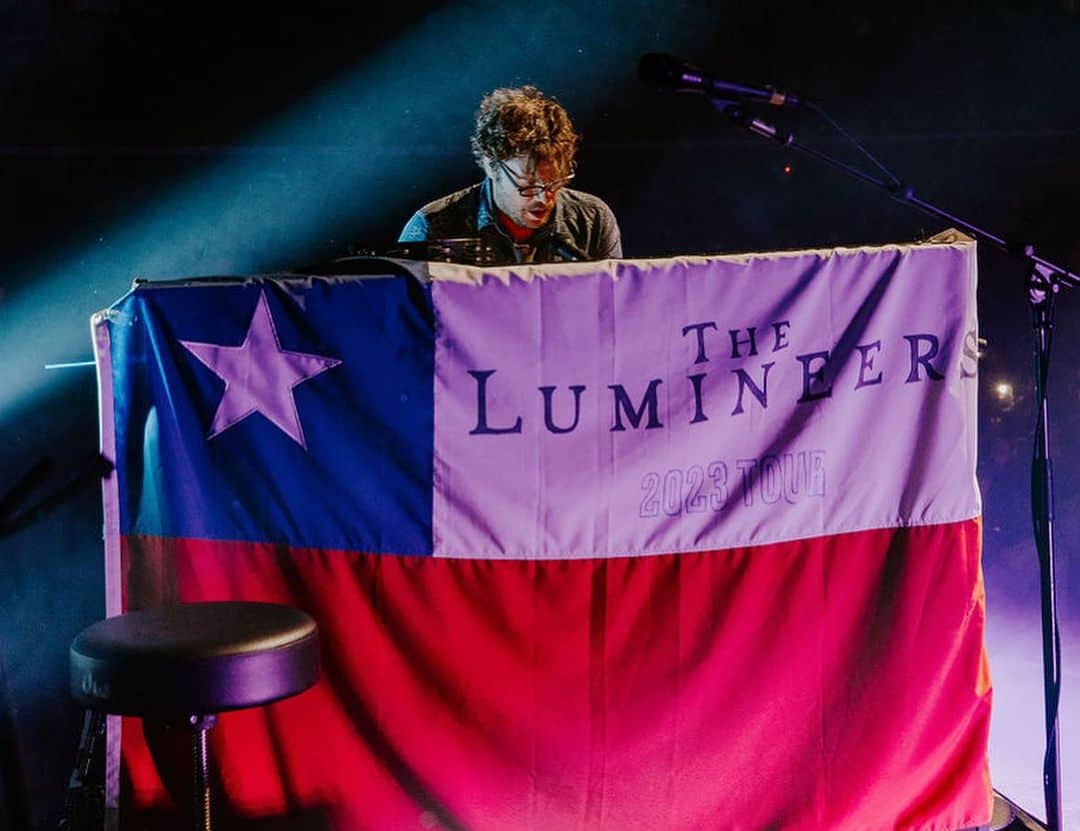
(1044, 281)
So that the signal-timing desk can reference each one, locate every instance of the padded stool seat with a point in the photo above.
(172, 662)
(190, 661)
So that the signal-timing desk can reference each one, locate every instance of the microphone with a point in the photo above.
(668, 71)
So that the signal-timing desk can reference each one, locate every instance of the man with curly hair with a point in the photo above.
(523, 211)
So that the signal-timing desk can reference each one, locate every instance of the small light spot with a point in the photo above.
(1005, 395)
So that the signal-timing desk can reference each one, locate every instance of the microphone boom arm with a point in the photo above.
(901, 192)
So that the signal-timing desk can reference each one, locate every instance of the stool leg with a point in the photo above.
(84, 805)
(200, 725)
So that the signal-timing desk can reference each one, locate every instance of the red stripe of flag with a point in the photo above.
(649, 692)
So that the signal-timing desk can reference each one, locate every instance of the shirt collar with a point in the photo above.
(485, 214)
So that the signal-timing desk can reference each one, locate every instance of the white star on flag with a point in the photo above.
(259, 376)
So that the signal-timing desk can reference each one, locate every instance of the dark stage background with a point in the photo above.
(173, 139)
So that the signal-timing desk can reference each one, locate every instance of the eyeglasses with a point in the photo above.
(529, 191)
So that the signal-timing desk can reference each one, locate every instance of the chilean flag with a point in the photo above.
(688, 543)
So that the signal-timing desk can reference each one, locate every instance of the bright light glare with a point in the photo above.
(338, 162)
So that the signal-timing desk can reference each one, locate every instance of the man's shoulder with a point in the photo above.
(464, 199)
(585, 203)
(447, 217)
(590, 223)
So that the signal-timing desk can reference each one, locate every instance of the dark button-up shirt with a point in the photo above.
(581, 227)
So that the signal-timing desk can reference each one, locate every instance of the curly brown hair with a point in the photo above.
(516, 121)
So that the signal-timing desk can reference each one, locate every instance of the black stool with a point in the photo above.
(190, 661)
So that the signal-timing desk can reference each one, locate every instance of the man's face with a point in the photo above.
(510, 176)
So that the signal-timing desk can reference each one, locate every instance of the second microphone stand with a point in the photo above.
(1045, 280)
